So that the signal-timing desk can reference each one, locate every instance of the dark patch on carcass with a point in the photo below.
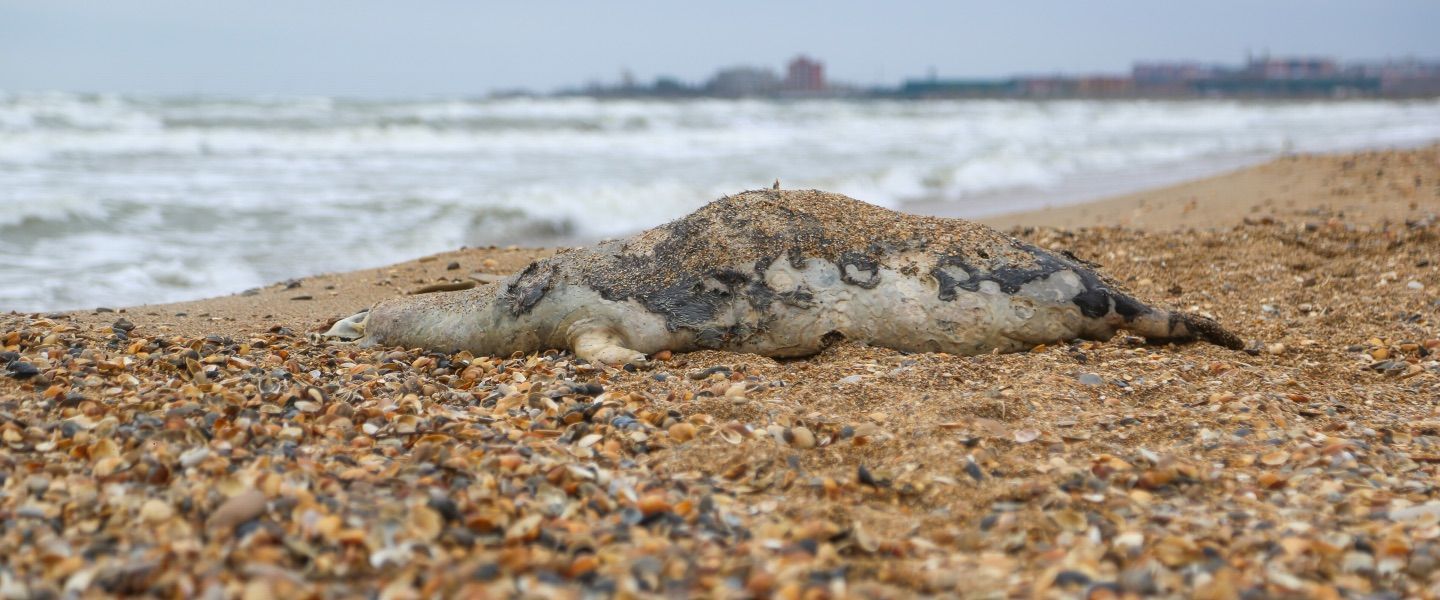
(688, 303)
(684, 276)
(1095, 301)
(710, 337)
(691, 300)
(760, 295)
(799, 299)
(526, 291)
(1128, 307)
(859, 269)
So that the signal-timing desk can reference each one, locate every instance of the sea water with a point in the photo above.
(113, 200)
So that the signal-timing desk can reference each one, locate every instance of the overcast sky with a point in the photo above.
(422, 48)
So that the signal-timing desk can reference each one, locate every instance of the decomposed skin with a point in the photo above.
(783, 273)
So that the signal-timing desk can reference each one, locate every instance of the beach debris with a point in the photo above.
(487, 277)
(449, 286)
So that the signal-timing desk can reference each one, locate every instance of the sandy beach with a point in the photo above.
(218, 447)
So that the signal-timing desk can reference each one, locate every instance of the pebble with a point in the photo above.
(1417, 512)
(193, 456)
(700, 374)
(156, 511)
(1422, 564)
(1090, 379)
(238, 509)
(21, 370)
(973, 470)
(1357, 562)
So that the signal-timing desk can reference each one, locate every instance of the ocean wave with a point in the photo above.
(127, 188)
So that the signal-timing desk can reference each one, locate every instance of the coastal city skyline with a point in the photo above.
(439, 48)
(1260, 75)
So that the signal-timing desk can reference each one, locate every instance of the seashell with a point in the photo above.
(682, 432)
(156, 511)
(1069, 520)
(800, 437)
(1275, 458)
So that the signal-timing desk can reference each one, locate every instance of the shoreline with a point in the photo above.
(1283, 188)
(1308, 187)
(468, 175)
(1219, 194)
(1109, 188)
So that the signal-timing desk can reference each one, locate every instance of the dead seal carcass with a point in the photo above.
(784, 274)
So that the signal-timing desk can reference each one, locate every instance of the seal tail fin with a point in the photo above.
(1161, 327)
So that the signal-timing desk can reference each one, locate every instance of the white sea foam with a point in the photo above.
(116, 200)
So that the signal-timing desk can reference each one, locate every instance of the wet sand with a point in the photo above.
(213, 447)
(1365, 187)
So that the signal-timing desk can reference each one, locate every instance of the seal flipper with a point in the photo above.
(1206, 330)
(1162, 327)
(350, 328)
(597, 343)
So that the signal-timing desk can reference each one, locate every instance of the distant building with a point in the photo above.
(804, 74)
(1104, 86)
(1266, 67)
(1405, 77)
(1171, 78)
(933, 87)
(1289, 77)
(1261, 76)
(1300, 87)
(1046, 87)
(736, 82)
(1161, 73)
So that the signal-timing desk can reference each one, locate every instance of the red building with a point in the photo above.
(805, 74)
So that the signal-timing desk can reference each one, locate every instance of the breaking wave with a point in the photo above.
(132, 200)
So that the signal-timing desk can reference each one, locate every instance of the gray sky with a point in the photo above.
(437, 47)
